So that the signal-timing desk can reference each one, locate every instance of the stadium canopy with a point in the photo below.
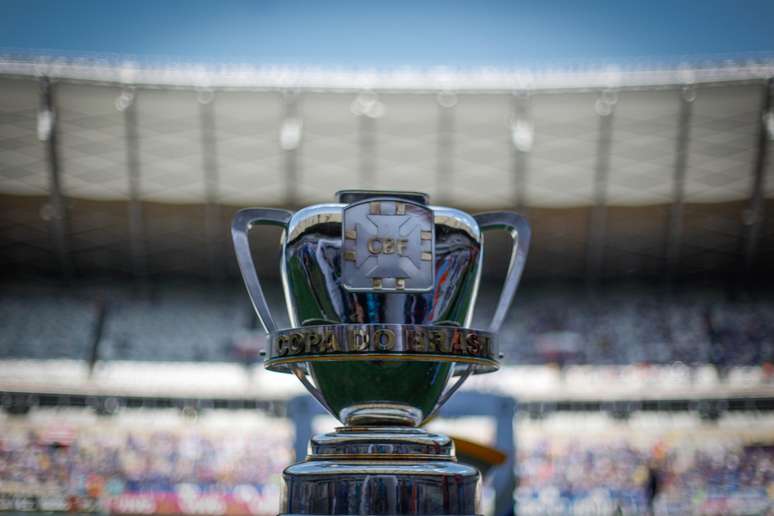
(622, 171)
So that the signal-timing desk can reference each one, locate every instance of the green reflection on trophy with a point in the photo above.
(380, 289)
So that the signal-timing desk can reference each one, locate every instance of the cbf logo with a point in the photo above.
(388, 245)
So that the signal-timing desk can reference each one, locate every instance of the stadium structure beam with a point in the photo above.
(290, 139)
(597, 231)
(753, 218)
(97, 332)
(367, 139)
(536, 409)
(675, 227)
(128, 103)
(521, 144)
(59, 216)
(444, 179)
(484, 80)
(213, 218)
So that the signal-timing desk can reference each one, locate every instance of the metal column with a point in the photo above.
(290, 140)
(60, 224)
(445, 151)
(213, 220)
(675, 228)
(522, 134)
(127, 102)
(597, 231)
(367, 143)
(754, 215)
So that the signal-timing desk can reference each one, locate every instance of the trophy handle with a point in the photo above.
(240, 226)
(518, 227)
(448, 393)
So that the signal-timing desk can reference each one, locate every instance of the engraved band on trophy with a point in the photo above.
(380, 289)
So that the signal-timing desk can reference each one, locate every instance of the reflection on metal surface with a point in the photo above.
(381, 470)
(316, 294)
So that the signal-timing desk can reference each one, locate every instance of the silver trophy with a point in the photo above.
(380, 289)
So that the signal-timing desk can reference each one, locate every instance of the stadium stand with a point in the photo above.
(583, 464)
(45, 323)
(725, 479)
(143, 462)
(184, 325)
(629, 326)
(196, 322)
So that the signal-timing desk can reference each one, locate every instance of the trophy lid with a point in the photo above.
(351, 196)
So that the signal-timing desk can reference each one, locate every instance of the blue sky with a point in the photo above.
(390, 34)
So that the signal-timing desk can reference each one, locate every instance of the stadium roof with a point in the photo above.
(618, 169)
(638, 73)
(551, 119)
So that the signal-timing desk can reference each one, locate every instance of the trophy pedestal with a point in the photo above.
(380, 471)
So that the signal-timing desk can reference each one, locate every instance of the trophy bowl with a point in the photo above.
(376, 391)
(379, 374)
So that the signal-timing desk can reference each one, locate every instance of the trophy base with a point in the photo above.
(380, 471)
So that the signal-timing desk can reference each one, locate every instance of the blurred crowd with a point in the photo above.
(118, 467)
(639, 327)
(602, 478)
(132, 464)
(558, 325)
